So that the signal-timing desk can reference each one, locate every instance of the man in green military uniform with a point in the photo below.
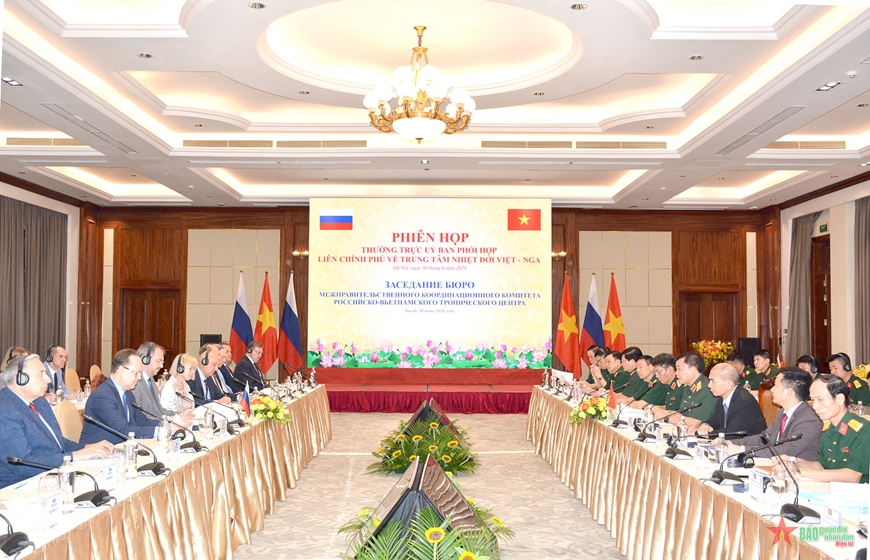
(630, 358)
(690, 367)
(844, 450)
(762, 371)
(618, 376)
(664, 366)
(651, 391)
(841, 365)
(596, 379)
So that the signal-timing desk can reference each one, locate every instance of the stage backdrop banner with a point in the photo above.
(413, 274)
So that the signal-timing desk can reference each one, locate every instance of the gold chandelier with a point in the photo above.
(421, 92)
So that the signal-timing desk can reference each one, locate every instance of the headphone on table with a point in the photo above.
(22, 378)
(146, 359)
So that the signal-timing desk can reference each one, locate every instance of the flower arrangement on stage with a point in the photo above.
(713, 351)
(861, 370)
(267, 408)
(422, 438)
(595, 408)
(431, 355)
(426, 537)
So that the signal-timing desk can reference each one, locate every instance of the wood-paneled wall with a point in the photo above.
(708, 249)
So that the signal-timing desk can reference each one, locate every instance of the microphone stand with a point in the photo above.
(94, 498)
(194, 445)
(794, 512)
(149, 469)
(643, 436)
(230, 423)
(13, 542)
(617, 422)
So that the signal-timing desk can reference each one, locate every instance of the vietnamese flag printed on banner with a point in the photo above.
(524, 219)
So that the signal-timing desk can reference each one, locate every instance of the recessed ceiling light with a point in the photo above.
(256, 5)
(828, 86)
(12, 82)
(649, 127)
(145, 55)
(208, 196)
(22, 173)
(773, 200)
(865, 164)
(528, 179)
(663, 189)
(696, 57)
(721, 178)
(189, 186)
(303, 92)
(539, 94)
(425, 169)
(862, 105)
(424, 162)
(579, 6)
(197, 125)
(834, 176)
(84, 196)
(326, 178)
(221, 204)
(753, 207)
(169, 173)
(631, 207)
(682, 176)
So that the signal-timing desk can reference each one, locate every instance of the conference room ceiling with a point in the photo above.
(624, 104)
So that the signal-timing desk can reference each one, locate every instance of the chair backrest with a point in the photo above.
(95, 371)
(71, 378)
(70, 420)
(768, 407)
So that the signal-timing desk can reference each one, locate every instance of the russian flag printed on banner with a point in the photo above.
(241, 333)
(336, 218)
(290, 337)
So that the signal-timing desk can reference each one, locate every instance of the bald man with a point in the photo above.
(736, 409)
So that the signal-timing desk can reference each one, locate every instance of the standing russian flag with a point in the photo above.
(265, 332)
(241, 333)
(245, 400)
(290, 338)
(592, 332)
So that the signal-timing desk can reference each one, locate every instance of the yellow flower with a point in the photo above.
(497, 521)
(449, 473)
(381, 450)
(446, 458)
(266, 399)
(434, 534)
(400, 437)
(471, 501)
(412, 457)
(433, 424)
(416, 438)
(375, 520)
(363, 512)
(269, 415)
(466, 555)
(452, 443)
(397, 452)
(433, 448)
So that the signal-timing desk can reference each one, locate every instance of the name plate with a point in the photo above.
(757, 483)
(175, 446)
(830, 517)
(109, 477)
(52, 507)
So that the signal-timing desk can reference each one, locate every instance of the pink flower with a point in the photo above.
(498, 354)
(547, 346)
(538, 356)
(375, 357)
(339, 361)
(481, 346)
(405, 365)
(409, 350)
(504, 347)
(335, 346)
(449, 349)
(326, 361)
(341, 351)
(353, 349)
(404, 356)
(469, 355)
(499, 364)
(320, 346)
(523, 363)
(514, 349)
(428, 344)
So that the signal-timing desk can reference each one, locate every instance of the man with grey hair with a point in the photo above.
(736, 409)
(28, 427)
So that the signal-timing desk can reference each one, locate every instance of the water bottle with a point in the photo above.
(131, 456)
(860, 411)
(648, 416)
(60, 396)
(67, 477)
(682, 430)
(795, 472)
(720, 446)
(209, 422)
(87, 388)
(163, 434)
(660, 437)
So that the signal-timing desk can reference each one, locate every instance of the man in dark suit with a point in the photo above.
(28, 428)
(247, 370)
(205, 385)
(790, 391)
(224, 371)
(736, 409)
(112, 403)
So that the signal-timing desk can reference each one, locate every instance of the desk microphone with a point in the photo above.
(251, 378)
(714, 434)
(94, 498)
(643, 436)
(746, 459)
(230, 423)
(150, 469)
(12, 543)
(793, 512)
(617, 422)
(190, 445)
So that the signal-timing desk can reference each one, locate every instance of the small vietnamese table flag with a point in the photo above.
(614, 330)
(265, 332)
(567, 335)
(290, 341)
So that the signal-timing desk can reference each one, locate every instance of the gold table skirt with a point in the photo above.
(211, 505)
(652, 508)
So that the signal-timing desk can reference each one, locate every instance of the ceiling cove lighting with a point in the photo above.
(420, 91)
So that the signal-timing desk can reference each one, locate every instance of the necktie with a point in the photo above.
(126, 406)
(725, 421)
(57, 379)
(205, 390)
(153, 392)
(782, 426)
(33, 408)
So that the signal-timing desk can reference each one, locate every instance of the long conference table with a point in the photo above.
(654, 507)
(205, 508)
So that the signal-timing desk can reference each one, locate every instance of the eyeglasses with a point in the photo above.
(138, 374)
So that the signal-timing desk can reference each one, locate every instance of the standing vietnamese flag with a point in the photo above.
(265, 332)
(614, 330)
(290, 341)
(567, 341)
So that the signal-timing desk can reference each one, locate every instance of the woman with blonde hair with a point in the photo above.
(183, 369)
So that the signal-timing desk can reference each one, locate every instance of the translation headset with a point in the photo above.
(22, 378)
(847, 362)
(249, 348)
(146, 359)
(814, 364)
(205, 356)
(48, 355)
(180, 367)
